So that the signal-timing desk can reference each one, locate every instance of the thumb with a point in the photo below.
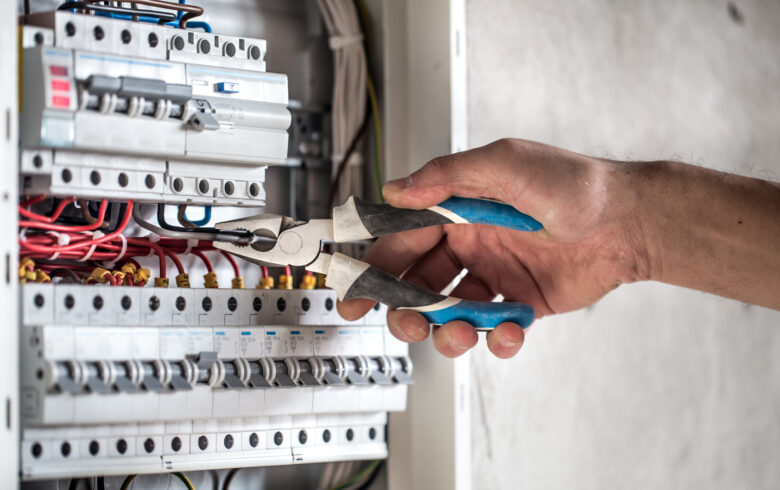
(481, 172)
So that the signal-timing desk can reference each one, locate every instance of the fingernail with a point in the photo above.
(455, 344)
(399, 184)
(505, 341)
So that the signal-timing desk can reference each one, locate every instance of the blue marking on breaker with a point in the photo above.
(270, 333)
(219, 333)
(295, 332)
(227, 87)
(246, 333)
(319, 332)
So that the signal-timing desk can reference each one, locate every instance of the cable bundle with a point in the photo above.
(349, 84)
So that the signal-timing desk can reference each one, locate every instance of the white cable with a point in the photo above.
(121, 255)
(95, 235)
(191, 243)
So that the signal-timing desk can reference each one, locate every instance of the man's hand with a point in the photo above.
(605, 223)
(588, 247)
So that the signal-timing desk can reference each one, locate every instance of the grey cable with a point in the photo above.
(183, 235)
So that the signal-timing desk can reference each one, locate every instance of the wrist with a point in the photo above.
(638, 190)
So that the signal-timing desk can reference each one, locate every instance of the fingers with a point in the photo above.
(454, 338)
(393, 254)
(408, 325)
(505, 340)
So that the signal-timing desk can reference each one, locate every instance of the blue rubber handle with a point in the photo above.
(485, 212)
(483, 316)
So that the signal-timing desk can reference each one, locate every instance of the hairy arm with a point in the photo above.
(708, 230)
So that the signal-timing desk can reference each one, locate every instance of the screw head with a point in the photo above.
(97, 302)
(203, 186)
(204, 46)
(38, 300)
(350, 434)
(123, 180)
(232, 304)
(70, 29)
(181, 303)
(253, 439)
(121, 446)
(228, 441)
(126, 36)
(154, 303)
(69, 301)
(178, 185)
(36, 450)
(257, 304)
(305, 304)
(281, 304)
(37, 160)
(176, 444)
(94, 177)
(153, 40)
(67, 175)
(254, 190)
(99, 33)
(126, 302)
(206, 304)
(278, 438)
(328, 304)
(229, 188)
(178, 43)
(94, 448)
(65, 449)
(372, 433)
(302, 437)
(150, 181)
(326, 436)
(149, 445)
(203, 442)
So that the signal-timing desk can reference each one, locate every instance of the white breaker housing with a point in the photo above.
(121, 380)
(130, 110)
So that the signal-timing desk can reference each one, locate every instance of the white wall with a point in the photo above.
(655, 386)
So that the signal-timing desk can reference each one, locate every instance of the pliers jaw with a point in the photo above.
(278, 240)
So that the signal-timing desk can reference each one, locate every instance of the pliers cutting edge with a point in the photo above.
(300, 244)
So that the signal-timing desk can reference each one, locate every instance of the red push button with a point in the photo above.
(60, 101)
(60, 85)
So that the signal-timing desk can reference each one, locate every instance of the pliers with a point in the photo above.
(281, 241)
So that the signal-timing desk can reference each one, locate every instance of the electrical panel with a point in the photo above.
(122, 109)
(124, 372)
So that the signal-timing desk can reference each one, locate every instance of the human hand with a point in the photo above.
(590, 244)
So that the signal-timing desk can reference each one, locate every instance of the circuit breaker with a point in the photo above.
(124, 371)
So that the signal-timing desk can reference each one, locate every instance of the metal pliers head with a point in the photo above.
(278, 240)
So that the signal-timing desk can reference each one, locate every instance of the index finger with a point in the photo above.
(393, 254)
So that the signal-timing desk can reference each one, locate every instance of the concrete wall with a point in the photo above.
(655, 386)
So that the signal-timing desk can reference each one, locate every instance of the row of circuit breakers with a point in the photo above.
(125, 380)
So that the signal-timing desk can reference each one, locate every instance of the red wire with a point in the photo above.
(111, 278)
(287, 270)
(88, 243)
(176, 261)
(309, 273)
(49, 226)
(47, 219)
(33, 200)
(264, 270)
(149, 244)
(233, 263)
(203, 257)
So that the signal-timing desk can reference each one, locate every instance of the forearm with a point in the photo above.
(708, 230)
